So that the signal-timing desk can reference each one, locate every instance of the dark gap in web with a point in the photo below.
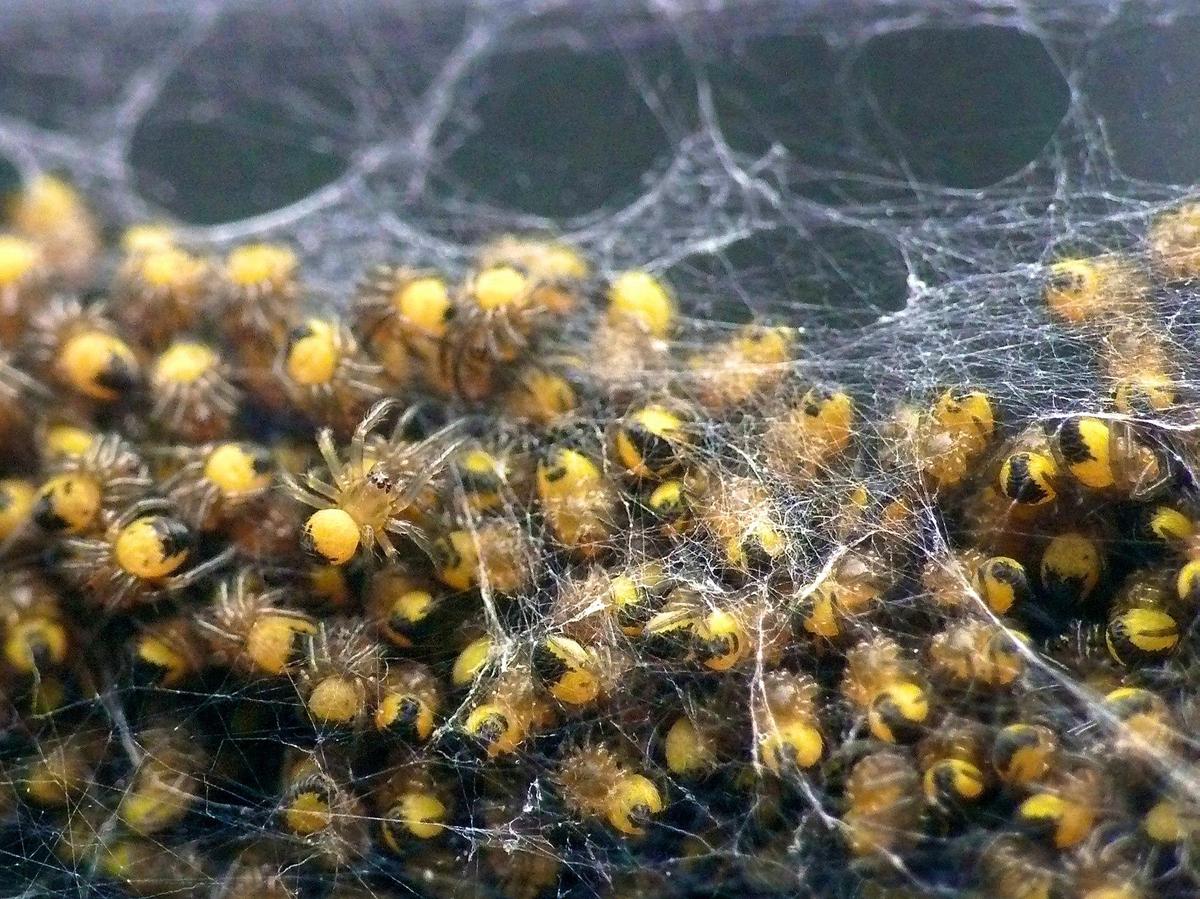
(1145, 84)
(959, 107)
(561, 132)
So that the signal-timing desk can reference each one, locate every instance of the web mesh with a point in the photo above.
(786, 164)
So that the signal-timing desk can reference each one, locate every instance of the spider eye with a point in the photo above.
(379, 480)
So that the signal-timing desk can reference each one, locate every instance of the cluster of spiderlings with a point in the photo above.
(501, 584)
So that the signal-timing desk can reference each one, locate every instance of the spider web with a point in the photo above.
(891, 178)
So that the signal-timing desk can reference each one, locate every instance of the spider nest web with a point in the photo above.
(785, 164)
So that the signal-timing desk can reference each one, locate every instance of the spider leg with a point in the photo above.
(418, 482)
(204, 505)
(456, 365)
(314, 494)
(384, 542)
(374, 417)
(217, 562)
(404, 420)
(445, 432)
(514, 337)
(362, 386)
(329, 453)
(141, 507)
(411, 532)
(127, 482)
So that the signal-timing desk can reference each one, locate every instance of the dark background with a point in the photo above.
(552, 122)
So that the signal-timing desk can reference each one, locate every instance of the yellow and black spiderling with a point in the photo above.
(1028, 478)
(695, 628)
(1107, 455)
(261, 285)
(258, 290)
(483, 477)
(785, 718)
(22, 284)
(52, 213)
(566, 670)
(845, 597)
(558, 270)
(250, 628)
(598, 784)
(978, 654)
(168, 780)
(495, 556)
(1165, 525)
(1145, 725)
(1023, 753)
(67, 504)
(327, 375)
(218, 484)
(540, 396)
(402, 315)
(408, 701)
(579, 501)
(509, 712)
(168, 653)
(670, 507)
(1187, 584)
(952, 435)
(403, 606)
(107, 474)
(693, 744)
(636, 594)
(36, 632)
(1062, 810)
(740, 369)
(138, 557)
(1002, 583)
(806, 439)
(883, 803)
(649, 441)
(160, 289)
(1081, 290)
(496, 312)
(362, 499)
(1072, 566)
(472, 661)
(638, 299)
(318, 809)
(741, 518)
(194, 395)
(413, 807)
(953, 760)
(883, 682)
(495, 316)
(152, 547)
(79, 347)
(1140, 635)
(60, 769)
(338, 678)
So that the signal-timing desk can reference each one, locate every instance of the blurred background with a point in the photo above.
(224, 110)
